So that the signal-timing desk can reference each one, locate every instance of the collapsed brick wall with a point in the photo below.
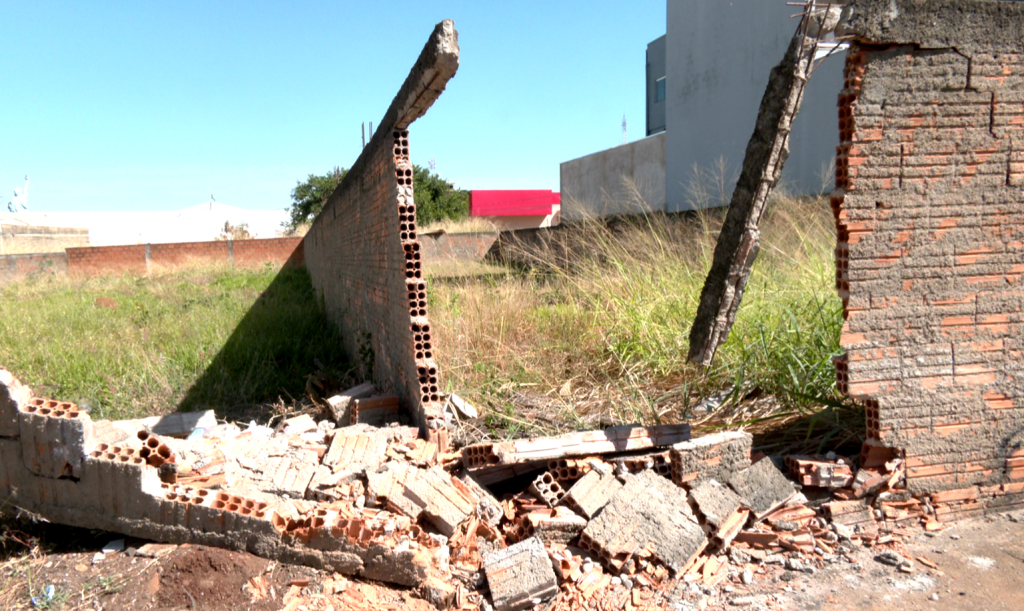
(363, 254)
(139, 258)
(930, 259)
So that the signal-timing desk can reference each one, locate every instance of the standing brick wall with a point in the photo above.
(140, 258)
(107, 259)
(18, 267)
(929, 206)
(363, 254)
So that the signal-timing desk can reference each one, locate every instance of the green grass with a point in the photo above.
(192, 338)
(586, 329)
(598, 319)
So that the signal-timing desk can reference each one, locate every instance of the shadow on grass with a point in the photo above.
(281, 339)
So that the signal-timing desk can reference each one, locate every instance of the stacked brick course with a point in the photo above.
(363, 254)
(139, 258)
(930, 260)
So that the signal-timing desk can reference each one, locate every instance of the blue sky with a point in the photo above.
(154, 106)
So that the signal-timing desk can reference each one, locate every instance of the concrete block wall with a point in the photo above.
(930, 259)
(363, 254)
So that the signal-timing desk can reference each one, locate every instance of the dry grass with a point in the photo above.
(590, 327)
(469, 224)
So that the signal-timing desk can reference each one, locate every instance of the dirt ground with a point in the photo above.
(980, 567)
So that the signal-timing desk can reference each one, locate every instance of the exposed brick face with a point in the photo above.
(363, 254)
(365, 262)
(930, 259)
(140, 258)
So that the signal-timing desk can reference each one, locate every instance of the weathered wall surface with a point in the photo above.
(440, 247)
(17, 267)
(718, 58)
(930, 261)
(141, 258)
(363, 254)
(627, 179)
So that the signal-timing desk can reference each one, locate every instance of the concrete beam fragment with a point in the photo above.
(766, 154)
(608, 441)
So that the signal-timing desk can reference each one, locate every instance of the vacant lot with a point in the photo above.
(198, 337)
(585, 328)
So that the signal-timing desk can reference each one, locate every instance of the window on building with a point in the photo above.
(659, 90)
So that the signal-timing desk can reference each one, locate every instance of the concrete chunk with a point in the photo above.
(341, 403)
(444, 502)
(520, 574)
(715, 457)
(715, 502)
(647, 513)
(592, 492)
(763, 487)
(585, 443)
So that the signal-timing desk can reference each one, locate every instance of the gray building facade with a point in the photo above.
(705, 80)
(656, 86)
(718, 58)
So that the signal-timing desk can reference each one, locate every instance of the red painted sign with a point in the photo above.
(513, 203)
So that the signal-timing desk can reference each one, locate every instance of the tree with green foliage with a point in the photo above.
(310, 197)
(436, 199)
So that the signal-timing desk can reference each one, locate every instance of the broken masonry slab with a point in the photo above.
(716, 457)
(715, 502)
(585, 443)
(763, 487)
(649, 513)
(442, 499)
(520, 576)
(121, 477)
(593, 491)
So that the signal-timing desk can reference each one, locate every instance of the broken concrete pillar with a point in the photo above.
(649, 513)
(715, 457)
(762, 167)
(520, 576)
